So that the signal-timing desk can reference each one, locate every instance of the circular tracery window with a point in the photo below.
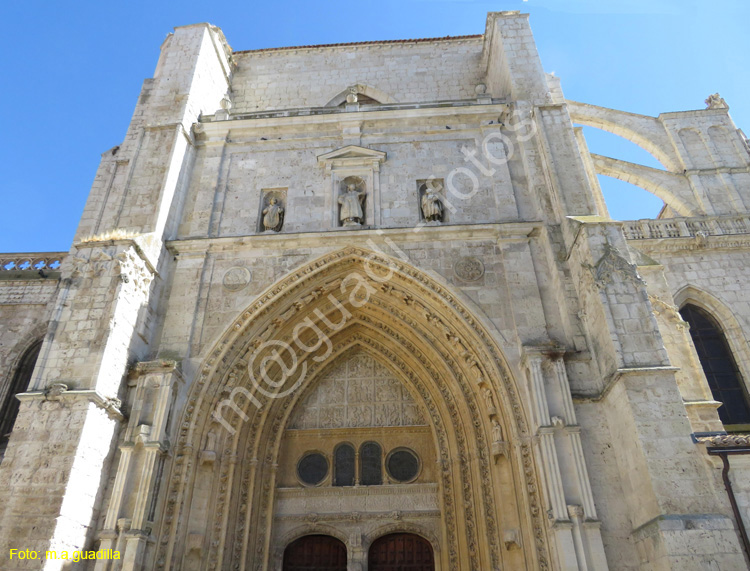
(312, 468)
(403, 465)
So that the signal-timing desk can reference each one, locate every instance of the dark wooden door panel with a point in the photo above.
(315, 553)
(401, 552)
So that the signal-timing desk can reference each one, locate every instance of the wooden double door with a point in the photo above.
(394, 552)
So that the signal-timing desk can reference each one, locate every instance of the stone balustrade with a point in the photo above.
(686, 227)
(31, 261)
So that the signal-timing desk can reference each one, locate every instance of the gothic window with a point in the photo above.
(19, 384)
(315, 553)
(370, 459)
(312, 468)
(719, 365)
(402, 465)
(343, 465)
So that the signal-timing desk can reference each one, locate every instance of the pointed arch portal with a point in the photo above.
(440, 349)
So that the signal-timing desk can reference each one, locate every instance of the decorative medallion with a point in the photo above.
(236, 278)
(468, 268)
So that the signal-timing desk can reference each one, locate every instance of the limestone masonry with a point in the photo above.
(362, 307)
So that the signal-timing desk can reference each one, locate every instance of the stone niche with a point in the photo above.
(354, 163)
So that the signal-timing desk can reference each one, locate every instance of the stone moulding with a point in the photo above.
(265, 120)
(727, 441)
(504, 231)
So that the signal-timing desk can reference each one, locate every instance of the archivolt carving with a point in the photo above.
(411, 298)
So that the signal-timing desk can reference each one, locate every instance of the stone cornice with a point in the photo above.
(727, 441)
(304, 117)
(708, 243)
(131, 242)
(343, 432)
(340, 239)
(158, 366)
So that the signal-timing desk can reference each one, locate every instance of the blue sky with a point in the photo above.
(72, 72)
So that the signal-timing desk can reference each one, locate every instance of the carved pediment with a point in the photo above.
(352, 156)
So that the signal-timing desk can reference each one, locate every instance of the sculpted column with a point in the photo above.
(144, 446)
(559, 447)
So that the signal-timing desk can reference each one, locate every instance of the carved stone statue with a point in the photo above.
(497, 431)
(499, 446)
(273, 216)
(351, 206)
(432, 206)
(208, 454)
(716, 101)
(490, 402)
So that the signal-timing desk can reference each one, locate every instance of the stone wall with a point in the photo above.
(407, 72)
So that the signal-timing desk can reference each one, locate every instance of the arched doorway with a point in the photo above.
(401, 552)
(315, 552)
(437, 348)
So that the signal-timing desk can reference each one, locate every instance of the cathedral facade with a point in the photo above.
(362, 307)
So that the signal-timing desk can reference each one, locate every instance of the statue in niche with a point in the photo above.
(432, 206)
(351, 200)
(273, 215)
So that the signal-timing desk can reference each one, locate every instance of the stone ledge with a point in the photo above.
(59, 392)
(332, 238)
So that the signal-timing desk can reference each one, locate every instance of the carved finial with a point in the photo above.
(226, 102)
(351, 97)
(716, 101)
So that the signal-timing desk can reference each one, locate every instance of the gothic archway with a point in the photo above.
(428, 334)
